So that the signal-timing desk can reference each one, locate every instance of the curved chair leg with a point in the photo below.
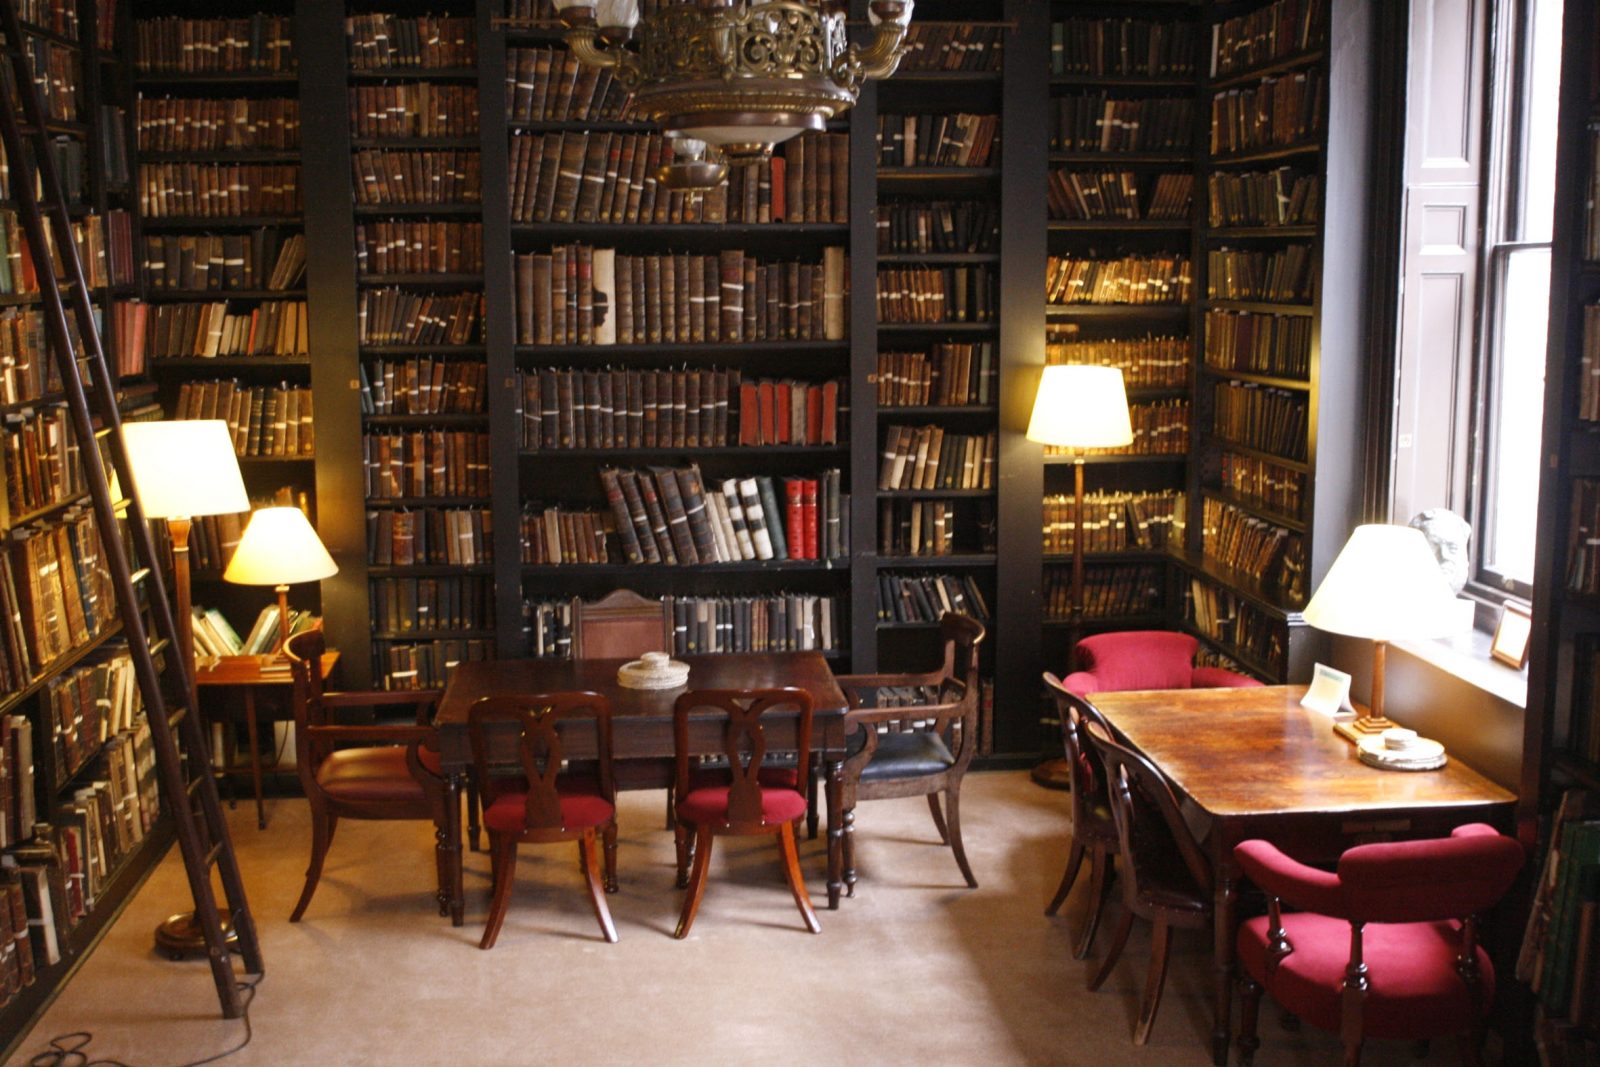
(1099, 879)
(473, 841)
(610, 839)
(938, 818)
(797, 881)
(697, 883)
(953, 824)
(1249, 1013)
(322, 827)
(680, 838)
(504, 848)
(588, 850)
(1155, 980)
(1118, 939)
(1074, 861)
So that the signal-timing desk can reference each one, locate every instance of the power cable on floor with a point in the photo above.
(71, 1050)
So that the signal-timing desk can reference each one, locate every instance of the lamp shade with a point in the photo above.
(1384, 584)
(279, 547)
(1080, 406)
(185, 468)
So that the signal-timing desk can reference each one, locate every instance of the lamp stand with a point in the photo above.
(1373, 722)
(1056, 773)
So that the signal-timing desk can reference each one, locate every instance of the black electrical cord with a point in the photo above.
(70, 1050)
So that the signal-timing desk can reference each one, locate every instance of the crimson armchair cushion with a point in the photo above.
(710, 805)
(1288, 879)
(370, 775)
(1137, 659)
(1441, 878)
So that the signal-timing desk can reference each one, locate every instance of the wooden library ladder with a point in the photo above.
(182, 759)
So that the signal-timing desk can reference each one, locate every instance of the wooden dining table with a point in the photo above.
(1252, 763)
(641, 725)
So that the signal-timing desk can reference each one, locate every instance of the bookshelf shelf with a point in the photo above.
(1232, 233)
(274, 460)
(634, 232)
(1105, 622)
(286, 79)
(390, 74)
(1063, 311)
(428, 570)
(218, 222)
(229, 363)
(903, 411)
(1241, 584)
(1251, 662)
(436, 281)
(415, 142)
(1263, 306)
(423, 350)
(938, 258)
(11, 702)
(751, 452)
(439, 419)
(158, 296)
(427, 501)
(1259, 379)
(45, 511)
(1122, 159)
(1120, 81)
(1120, 458)
(51, 35)
(1296, 465)
(1277, 518)
(934, 494)
(1268, 155)
(431, 635)
(980, 559)
(753, 566)
(892, 329)
(1119, 225)
(379, 211)
(679, 350)
(1288, 65)
(229, 155)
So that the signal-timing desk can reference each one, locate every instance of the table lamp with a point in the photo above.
(1385, 583)
(1078, 407)
(279, 548)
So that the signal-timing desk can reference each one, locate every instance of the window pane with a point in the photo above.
(1543, 96)
(1517, 415)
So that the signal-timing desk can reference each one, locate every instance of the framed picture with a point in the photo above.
(1510, 644)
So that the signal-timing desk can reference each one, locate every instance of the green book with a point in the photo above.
(1580, 848)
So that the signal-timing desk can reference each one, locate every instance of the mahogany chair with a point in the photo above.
(1165, 877)
(745, 798)
(621, 624)
(361, 771)
(542, 804)
(1094, 830)
(919, 749)
(1386, 947)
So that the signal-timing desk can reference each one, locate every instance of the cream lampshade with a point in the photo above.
(184, 469)
(279, 548)
(1384, 584)
(1080, 406)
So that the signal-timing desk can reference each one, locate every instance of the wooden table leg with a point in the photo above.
(1223, 917)
(450, 844)
(835, 832)
(255, 754)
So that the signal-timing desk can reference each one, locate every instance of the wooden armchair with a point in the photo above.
(919, 749)
(362, 771)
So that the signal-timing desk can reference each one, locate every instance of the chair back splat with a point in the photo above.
(1094, 831)
(620, 625)
(540, 751)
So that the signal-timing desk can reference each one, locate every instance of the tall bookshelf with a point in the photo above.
(76, 776)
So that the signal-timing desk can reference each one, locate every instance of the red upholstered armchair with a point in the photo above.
(1386, 947)
(1144, 659)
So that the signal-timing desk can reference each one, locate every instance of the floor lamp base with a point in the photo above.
(1053, 773)
(179, 936)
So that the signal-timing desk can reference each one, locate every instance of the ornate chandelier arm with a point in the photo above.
(601, 47)
(879, 59)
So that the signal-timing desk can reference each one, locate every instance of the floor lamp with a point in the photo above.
(1078, 407)
(279, 548)
(182, 470)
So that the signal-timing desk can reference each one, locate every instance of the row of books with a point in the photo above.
(425, 664)
(1270, 114)
(778, 622)
(265, 420)
(951, 46)
(1123, 48)
(215, 637)
(1132, 279)
(551, 85)
(1150, 361)
(263, 258)
(1589, 366)
(1270, 554)
(27, 370)
(1285, 275)
(1223, 616)
(929, 457)
(56, 74)
(1277, 31)
(71, 159)
(926, 528)
(948, 375)
(1262, 483)
(1281, 197)
(915, 226)
(429, 176)
(425, 463)
(105, 245)
(41, 461)
(218, 190)
(230, 124)
(431, 605)
(1114, 521)
(1259, 343)
(555, 535)
(424, 385)
(58, 595)
(413, 109)
(1160, 428)
(405, 537)
(1116, 195)
(1100, 122)
(938, 294)
(403, 317)
(1257, 416)
(418, 246)
(577, 294)
(927, 597)
(929, 140)
(1110, 590)
(684, 408)
(53, 15)
(18, 801)
(422, 42)
(547, 628)
(668, 515)
(276, 328)
(88, 705)
(260, 43)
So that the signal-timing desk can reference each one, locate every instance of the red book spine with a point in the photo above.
(808, 509)
(794, 519)
(781, 416)
(814, 415)
(768, 433)
(749, 414)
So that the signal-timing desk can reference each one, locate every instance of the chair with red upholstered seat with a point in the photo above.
(361, 771)
(747, 797)
(1165, 877)
(1094, 830)
(1386, 947)
(539, 803)
(1144, 659)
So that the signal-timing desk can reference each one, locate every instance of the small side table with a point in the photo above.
(247, 674)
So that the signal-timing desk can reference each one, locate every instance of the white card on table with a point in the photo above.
(1329, 693)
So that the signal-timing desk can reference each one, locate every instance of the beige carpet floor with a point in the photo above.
(916, 969)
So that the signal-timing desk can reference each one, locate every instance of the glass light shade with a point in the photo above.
(1080, 406)
(562, 5)
(185, 468)
(279, 547)
(726, 135)
(1385, 584)
(617, 14)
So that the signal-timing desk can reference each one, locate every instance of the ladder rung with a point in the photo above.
(193, 785)
(143, 572)
(176, 717)
(104, 431)
(211, 856)
(158, 646)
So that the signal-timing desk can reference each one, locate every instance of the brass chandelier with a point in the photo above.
(729, 79)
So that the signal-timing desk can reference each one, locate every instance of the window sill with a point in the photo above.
(1466, 657)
